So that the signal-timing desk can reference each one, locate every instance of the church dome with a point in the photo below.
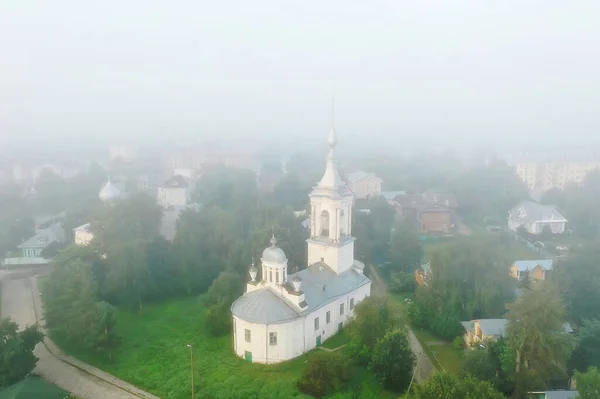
(109, 192)
(274, 254)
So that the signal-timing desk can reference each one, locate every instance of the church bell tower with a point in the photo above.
(331, 240)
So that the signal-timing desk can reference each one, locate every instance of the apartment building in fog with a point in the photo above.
(546, 175)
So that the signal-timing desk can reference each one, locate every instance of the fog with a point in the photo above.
(508, 73)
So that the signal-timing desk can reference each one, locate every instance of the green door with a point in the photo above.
(318, 341)
(248, 356)
(340, 326)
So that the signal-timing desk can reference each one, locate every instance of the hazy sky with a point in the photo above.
(489, 71)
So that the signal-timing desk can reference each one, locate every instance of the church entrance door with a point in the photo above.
(318, 341)
(340, 326)
(248, 356)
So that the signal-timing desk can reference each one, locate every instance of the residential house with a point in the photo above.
(174, 192)
(33, 247)
(423, 274)
(364, 185)
(82, 235)
(553, 395)
(535, 218)
(433, 212)
(481, 330)
(478, 331)
(533, 269)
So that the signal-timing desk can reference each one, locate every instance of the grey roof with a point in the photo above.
(320, 285)
(83, 227)
(176, 181)
(527, 265)
(390, 195)
(109, 192)
(560, 394)
(492, 327)
(45, 237)
(529, 212)
(264, 306)
(359, 175)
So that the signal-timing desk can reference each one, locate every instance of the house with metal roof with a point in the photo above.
(33, 247)
(282, 315)
(364, 184)
(531, 269)
(536, 218)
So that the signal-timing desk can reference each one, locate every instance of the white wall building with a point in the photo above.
(544, 176)
(364, 185)
(282, 316)
(174, 192)
(82, 235)
(535, 218)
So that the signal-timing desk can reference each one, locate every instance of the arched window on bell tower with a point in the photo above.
(343, 222)
(325, 224)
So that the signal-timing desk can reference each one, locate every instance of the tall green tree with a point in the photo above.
(447, 386)
(579, 279)
(406, 250)
(16, 351)
(373, 230)
(392, 360)
(325, 373)
(470, 278)
(588, 383)
(587, 346)
(536, 333)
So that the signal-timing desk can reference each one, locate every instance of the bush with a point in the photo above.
(458, 343)
(325, 373)
(392, 361)
(446, 326)
(402, 282)
(218, 319)
(419, 315)
(479, 364)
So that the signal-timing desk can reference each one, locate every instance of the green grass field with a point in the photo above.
(153, 356)
(339, 339)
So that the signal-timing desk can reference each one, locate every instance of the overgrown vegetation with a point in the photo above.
(16, 351)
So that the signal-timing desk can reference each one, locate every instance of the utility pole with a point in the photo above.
(192, 368)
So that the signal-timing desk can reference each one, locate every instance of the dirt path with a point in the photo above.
(424, 365)
(21, 302)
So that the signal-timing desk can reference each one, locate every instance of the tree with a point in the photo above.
(392, 360)
(469, 278)
(479, 364)
(405, 248)
(402, 282)
(579, 278)
(587, 349)
(324, 374)
(221, 294)
(588, 383)
(447, 386)
(16, 351)
(127, 275)
(373, 317)
(535, 331)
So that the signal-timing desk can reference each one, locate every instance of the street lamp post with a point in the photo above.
(192, 367)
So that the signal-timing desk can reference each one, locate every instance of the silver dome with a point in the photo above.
(274, 254)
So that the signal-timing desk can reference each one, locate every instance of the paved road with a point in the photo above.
(424, 365)
(17, 303)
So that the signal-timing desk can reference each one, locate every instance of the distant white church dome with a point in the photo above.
(274, 254)
(109, 192)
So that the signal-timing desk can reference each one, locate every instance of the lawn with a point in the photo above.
(153, 355)
(339, 339)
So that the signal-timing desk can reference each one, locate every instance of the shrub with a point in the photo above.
(325, 373)
(392, 360)
(446, 326)
(218, 319)
(458, 343)
(402, 282)
(419, 315)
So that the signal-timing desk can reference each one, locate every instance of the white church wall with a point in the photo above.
(327, 330)
(337, 258)
(168, 197)
(289, 340)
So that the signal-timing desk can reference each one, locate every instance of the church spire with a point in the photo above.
(331, 178)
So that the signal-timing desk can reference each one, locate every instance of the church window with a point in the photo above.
(341, 308)
(325, 224)
(271, 275)
(316, 323)
(351, 303)
(328, 317)
(248, 335)
(277, 276)
(273, 338)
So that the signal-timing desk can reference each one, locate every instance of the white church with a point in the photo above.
(282, 316)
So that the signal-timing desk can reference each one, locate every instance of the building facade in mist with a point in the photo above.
(281, 315)
(546, 175)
